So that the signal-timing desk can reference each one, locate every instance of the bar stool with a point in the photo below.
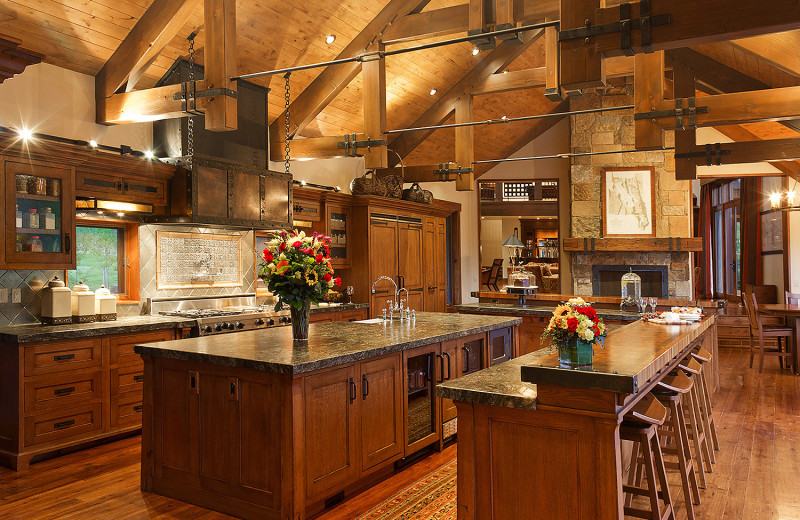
(671, 391)
(640, 426)
(705, 358)
(697, 426)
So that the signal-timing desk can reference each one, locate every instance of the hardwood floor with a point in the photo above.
(756, 477)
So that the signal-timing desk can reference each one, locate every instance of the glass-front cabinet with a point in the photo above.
(339, 231)
(421, 403)
(40, 217)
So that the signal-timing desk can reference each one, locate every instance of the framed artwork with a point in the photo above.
(629, 202)
(771, 232)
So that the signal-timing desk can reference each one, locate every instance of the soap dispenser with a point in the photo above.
(83, 304)
(56, 303)
(105, 304)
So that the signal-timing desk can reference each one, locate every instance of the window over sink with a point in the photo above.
(107, 254)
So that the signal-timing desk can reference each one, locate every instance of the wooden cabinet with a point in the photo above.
(435, 264)
(38, 190)
(337, 218)
(530, 333)
(126, 188)
(500, 346)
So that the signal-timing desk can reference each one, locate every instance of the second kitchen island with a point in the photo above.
(254, 425)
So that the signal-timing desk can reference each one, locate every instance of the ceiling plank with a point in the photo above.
(332, 80)
(497, 59)
(436, 22)
(511, 80)
(779, 49)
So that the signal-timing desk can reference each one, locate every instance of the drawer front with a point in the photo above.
(59, 357)
(126, 411)
(126, 379)
(60, 390)
(63, 424)
(121, 347)
(357, 314)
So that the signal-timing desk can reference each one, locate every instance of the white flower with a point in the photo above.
(330, 284)
(298, 275)
(301, 235)
(587, 335)
(576, 302)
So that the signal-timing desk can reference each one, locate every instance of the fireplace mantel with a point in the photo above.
(671, 244)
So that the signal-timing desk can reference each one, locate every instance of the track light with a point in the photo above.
(25, 134)
(149, 154)
(93, 143)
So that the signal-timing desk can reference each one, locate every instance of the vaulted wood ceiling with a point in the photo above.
(82, 34)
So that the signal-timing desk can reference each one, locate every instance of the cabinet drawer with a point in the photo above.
(358, 314)
(121, 347)
(58, 357)
(126, 379)
(126, 411)
(62, 390)
(62, 424)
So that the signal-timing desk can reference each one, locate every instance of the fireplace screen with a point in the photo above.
(606, 279)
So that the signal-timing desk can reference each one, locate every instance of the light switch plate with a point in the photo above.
(16, 295)
(3, 295)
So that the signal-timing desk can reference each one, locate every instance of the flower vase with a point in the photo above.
(575, 352)
(300, 318)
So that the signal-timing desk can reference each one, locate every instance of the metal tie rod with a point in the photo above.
(511, 119)
(375, 55)
(566, 155)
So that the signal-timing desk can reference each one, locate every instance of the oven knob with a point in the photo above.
(207, 329)
(288, 319)
(239, 325)
(227, 325)
(270, 321)
(283, 319)
(217, 327)
(259, 321)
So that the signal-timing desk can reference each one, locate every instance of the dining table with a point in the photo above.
(790, 311)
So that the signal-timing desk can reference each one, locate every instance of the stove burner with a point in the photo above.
(199, 313)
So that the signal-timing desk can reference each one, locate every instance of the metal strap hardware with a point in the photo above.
(444, 172)
(624, 26)
(351, 145)
(588, 244)
(371, 56)
(189, 94)
(678, 113)
(713, 154)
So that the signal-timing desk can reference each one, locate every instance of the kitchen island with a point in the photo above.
(255, 425)
(536, 437)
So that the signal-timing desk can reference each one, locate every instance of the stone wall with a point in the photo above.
(609, 132)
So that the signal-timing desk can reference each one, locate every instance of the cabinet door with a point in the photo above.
(153, 191)
(175, 398)
(429, 265)
(338, 228)
(381, 411)
(442, 266)
(218, 438)
(382, 261)
(471, 355)
(41, 189)
(422, 424)
(89, 184)
(410, 255)
(530, 333)
(500, 346)
(451, 353)
(330, 418)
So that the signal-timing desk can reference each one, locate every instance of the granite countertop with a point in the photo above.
(329, 344)
(539, 310)
(336, 307)
(500, 385)
(132, 324)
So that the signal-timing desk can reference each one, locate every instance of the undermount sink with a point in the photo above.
(373, 320)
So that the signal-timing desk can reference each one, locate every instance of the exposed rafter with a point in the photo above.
(779, 49)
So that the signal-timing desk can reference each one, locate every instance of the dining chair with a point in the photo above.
(759, 332)
(792, 298)
(494, 274)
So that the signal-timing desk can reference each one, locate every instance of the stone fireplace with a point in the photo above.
(673, 268)
(606, 279)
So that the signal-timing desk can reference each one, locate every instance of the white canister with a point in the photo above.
(82, 304)
(105, 304)
(56, 303)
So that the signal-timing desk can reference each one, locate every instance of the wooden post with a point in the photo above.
(552, 89)
(220, 63)
(580, 62)
(648, 93)
(685, 139)
(479, 20)
(465, 149)
(504, 19)
(374, 100)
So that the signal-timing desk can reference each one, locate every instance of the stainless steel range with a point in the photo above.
(220, 314)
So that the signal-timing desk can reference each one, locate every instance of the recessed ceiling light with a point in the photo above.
(504, 118)
(433, 91)
(93, 143)
(330, 39)
(505, 72)
(25, 134)
(475, 51)
(302, 183)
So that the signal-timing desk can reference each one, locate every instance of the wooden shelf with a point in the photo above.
(30, 196)
(37, 231)
(633, 244)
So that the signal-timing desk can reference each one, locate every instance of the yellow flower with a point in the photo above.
(562, 311)
(311, 277)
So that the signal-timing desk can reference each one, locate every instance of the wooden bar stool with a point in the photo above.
(671, 391)
(704, 357)
(697, 422)
(759, 332)
(640, 426)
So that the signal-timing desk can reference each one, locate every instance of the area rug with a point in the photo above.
(433, 497)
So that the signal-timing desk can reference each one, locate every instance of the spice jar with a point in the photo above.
(37, 185)
(22, 183)
(34, 245)
(54, 187)
(30, 219)
(47, 220)
(19, 217)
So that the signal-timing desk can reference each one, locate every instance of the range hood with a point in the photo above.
(226, 181)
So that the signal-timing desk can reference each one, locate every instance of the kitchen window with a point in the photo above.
(106, 254)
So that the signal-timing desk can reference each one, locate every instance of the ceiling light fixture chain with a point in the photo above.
(288, 100)
(190, 122)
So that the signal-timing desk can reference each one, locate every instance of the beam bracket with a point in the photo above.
(713, 154)
(624, 26)
(444, 171)
(678, 113)
(189, 94)
(351, 145)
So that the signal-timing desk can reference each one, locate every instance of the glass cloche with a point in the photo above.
(631, 288)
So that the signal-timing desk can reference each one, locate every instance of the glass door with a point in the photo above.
(338, 230)
(420, 398)
(40, 216)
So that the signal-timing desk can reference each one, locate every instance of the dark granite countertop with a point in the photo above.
(329, 344)
(339, 307)
(132, 324)
(538, 310)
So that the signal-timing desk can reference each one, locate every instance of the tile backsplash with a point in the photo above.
(31, 282)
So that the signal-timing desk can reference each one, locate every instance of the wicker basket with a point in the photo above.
(416, 194)
(365, 185)
(394, 185)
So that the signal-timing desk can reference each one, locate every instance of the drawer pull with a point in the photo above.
(64, 391)
(138, 408)
(64, 357)
(63, 424)
(139, 378)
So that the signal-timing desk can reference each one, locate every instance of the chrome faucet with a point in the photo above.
(396, 291)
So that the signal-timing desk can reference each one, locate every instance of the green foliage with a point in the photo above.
(97, 249)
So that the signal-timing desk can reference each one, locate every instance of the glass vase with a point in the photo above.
(575, 352)
(300, 319)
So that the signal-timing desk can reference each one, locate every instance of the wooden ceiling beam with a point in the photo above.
(419, 173)
(220, 63)
(779, 50)
(311, 148)
(511, 80)
(374, 102)
(581, 63)
(150, 104)
(496, 60)
(648, 93)
(332, 80)
(741, 134)
(465, 143)
(429, 24)
(154, 30)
